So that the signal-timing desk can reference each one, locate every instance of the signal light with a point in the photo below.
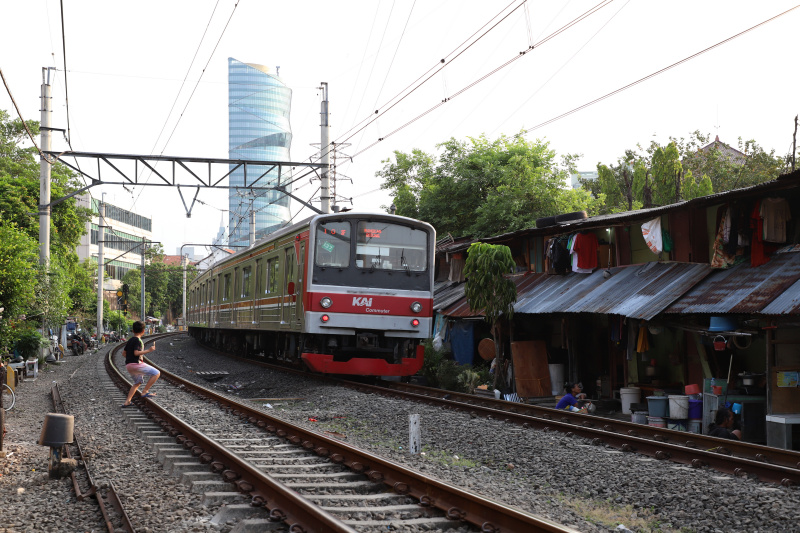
(415, 322)
(324, 318)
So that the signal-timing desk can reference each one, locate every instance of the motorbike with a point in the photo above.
(75, 344)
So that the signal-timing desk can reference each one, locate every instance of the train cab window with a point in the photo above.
(387, 246)
(333, 244)
(246, 290)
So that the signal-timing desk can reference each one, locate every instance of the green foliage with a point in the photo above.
(28, 342)
(18, 277)
(430, 365)
(490, 291)
(507, 183)
(118, 322)
(469, 380)
(682, 169)
(487, 288)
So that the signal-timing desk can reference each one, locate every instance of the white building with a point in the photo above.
(122, 239)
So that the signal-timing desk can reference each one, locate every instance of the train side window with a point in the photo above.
(273, 266)
(333, 244)
(226, 287)
(246, 292)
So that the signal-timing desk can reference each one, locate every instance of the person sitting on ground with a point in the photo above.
(135, 365)
(570, 400)
(723, 424)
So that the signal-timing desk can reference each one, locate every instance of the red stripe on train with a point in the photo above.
(371, 305)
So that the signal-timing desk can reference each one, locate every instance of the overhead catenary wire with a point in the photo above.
(654, 74)
(489, 74)
(427, 75)
(210, 57)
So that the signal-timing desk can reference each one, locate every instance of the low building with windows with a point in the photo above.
(122, 236)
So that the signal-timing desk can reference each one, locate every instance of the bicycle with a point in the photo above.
(9, 398)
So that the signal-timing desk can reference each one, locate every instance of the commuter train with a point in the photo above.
(343, 293)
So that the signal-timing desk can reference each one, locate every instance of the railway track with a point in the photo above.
(83, 484)
(305, 480)
(767, 464)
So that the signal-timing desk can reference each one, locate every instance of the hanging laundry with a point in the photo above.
(757, 255)
(574, 255)
(775, 213)
(585, 247)
(643, 344)
(721, 259)
(652, 235)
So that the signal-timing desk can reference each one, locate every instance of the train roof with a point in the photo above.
(288, 230)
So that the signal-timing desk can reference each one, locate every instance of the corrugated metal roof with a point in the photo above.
(636, 291)
(746, 289)
(459, 308)
(445, 294)
(787, 303)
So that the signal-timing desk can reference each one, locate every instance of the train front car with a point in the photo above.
(369, 303)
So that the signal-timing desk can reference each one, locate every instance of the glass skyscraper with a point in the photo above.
(258, 129)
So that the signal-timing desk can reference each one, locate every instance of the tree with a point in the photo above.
(19, 196)
(502, 185)
(488, 289)
(18, 260)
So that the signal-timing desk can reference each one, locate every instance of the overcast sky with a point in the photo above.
(126, 62)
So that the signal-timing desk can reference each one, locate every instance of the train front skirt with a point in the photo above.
(324, 363)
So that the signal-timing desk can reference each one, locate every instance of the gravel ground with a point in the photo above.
(564, 479)
(155, 502)
(587, 487)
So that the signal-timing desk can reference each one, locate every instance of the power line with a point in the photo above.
(210, 57)
(439, 66)
(656, 73)
(491, 73)
(19, 114)
(66, 86)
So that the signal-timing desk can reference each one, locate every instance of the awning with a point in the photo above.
(771, 289)
(636, 291)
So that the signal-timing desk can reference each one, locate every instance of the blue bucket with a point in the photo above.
(737, 408)
(657, 406)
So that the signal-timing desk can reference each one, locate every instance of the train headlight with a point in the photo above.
(324, 318)
(326, 302)
(415, 322)
(416, 307)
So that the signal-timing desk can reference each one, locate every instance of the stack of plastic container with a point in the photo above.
(695, 424)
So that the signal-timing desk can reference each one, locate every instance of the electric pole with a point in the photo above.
(44, 172)
(144, 245)
(325, 131)
(101, 268)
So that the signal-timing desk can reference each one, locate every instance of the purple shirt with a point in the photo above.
(567, 400)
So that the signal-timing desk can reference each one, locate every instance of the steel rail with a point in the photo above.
(768, 464)
(774, 465)
(58, 405)
(457, 504)
(283, 504)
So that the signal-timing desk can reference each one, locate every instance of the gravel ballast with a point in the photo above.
(590, 488)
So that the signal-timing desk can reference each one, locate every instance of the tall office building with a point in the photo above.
(258, 129)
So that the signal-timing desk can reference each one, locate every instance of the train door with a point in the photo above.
(258, 291)
(289, 290)
(298, 314)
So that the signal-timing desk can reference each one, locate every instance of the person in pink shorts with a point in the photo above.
(135, 365)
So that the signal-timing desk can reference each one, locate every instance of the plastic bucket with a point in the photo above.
(692, 389)
(556, 379)
(679, 407)
(676, 425)
(629, 395)
(737, 408)
(656, 421)
(695, 408)
(657, 406)
(639, 417)
(695, 425)
(717, 390)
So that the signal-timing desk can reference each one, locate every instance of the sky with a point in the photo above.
(150, 77)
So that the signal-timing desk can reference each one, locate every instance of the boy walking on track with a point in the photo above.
(136, 367)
